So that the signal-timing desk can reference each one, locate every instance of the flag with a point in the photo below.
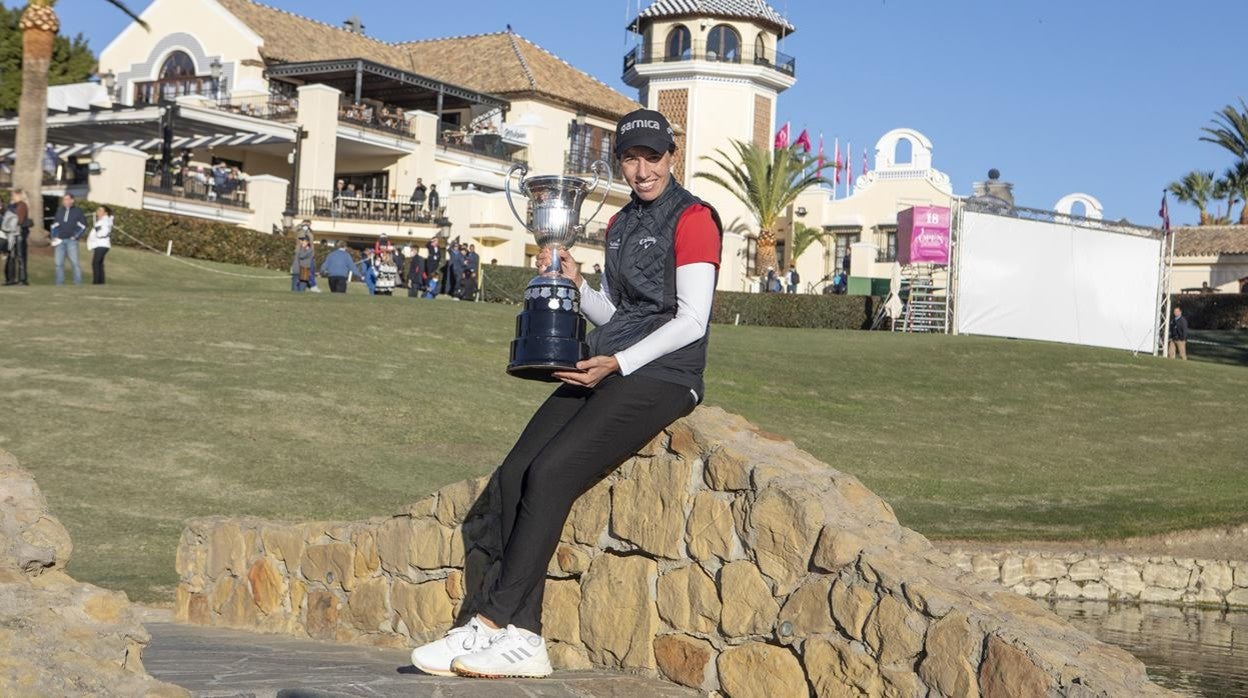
(803, 140)
(864, 163)
(782, 137)
(819, 162)
(1164, 213)
(849, 167)
(836, 163)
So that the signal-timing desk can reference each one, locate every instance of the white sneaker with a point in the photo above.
(436, 657)
(514, 653)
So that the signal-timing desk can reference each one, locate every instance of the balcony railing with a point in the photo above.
(276, 109)
(385, 118)
(194, 187)
(322, 203)
(781, 62)
(486, 144)
(580, 162)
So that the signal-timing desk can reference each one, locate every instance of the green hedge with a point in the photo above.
(198, 238)
(1214, 311)
(501, 284)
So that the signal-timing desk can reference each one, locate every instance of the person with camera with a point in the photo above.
(15, 227)
(647, 357)
(99, 241)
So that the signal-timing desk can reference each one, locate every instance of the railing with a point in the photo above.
(595, 236)
(580, 162)
(387, 118)
(322, 203)
(277, 109)
(781, 62)
(232, 193)
(487, 144)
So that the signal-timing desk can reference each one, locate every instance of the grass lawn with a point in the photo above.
(174, 392)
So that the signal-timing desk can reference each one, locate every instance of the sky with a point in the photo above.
(1104, 97)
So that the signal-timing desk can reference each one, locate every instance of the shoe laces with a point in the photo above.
(467, 634)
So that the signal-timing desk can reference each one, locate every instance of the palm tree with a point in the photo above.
(1230, 129)
(39, 26)
(767, 181)
(804, 236)
(1236, 184)
(1196, 188)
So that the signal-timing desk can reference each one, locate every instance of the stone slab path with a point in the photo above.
(215, 663)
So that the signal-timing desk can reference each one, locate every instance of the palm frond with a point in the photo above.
(128, 12)
(1230, 129)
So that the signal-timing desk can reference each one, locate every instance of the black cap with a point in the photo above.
(644, 127)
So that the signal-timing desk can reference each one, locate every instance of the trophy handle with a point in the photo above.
(600, 168)
(524, 171)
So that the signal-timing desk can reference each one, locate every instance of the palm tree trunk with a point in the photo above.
(1243, 213)
(39, 26)
(765, 255)
(1205, 218)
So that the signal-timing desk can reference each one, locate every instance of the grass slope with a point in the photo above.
(175, 392)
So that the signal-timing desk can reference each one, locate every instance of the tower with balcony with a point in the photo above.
(713, 68)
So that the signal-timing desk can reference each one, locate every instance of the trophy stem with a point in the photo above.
(556, 266)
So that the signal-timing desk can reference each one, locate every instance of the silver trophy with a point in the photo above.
(550, 331)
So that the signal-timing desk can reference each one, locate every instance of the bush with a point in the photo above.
(197, 238)
(1214, 311)
(501, 284)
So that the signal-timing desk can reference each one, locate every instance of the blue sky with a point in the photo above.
(1105, 97)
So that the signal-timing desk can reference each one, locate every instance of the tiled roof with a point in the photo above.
(502, 64)
(1209, 240)
(736, 9)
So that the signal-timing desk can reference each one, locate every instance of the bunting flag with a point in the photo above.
(864, 163)
(782, 137)
(803, 140)
(849, 168)
(836, 163)
(1164, 213)
(819, 161)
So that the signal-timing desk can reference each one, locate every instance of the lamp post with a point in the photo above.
(110, 84)
(216, 69)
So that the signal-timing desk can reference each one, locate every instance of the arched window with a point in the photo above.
(903, 153)
(678, 44)
(723, 44)
(760, 50)
(1079, 208)
(176, 78)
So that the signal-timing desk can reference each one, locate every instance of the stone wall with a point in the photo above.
(59, 637)
(1130, 578)
(720, 557)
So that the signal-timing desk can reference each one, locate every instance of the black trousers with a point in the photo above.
(97, 265)
(337, 284)
(576, 437)
(15, 263)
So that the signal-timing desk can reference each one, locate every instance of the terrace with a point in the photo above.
(698, 51)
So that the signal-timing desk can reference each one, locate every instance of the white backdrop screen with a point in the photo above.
(1056, 282)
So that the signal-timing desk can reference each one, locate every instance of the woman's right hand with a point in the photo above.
(569, 269)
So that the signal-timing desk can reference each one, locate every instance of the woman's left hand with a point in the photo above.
(590, 372)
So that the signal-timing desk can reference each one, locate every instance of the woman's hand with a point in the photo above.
(569, 269)
(590, 372)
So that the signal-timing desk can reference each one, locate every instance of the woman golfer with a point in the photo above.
(648, 352)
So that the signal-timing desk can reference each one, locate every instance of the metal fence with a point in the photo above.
(232, 193)
(322, 203)
(384, 118)
(700, 51)
(276, 109)
(486, 144)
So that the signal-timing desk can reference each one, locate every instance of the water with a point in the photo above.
(1196, 652)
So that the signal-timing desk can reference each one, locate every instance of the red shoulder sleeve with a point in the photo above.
(697, 237)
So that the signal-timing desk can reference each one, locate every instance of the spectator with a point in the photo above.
(456, 266)
(16, 228)
(433, 262)
(418, 195)
(1243, 285)
(220, 176)
(770, 282)
(367, 271)
(351, 193)
(791, 279)
(68, 227)
(473, 260)
(338, 266)
(99, 241)
(1205, 289)
(597, 268)
(1178, 336)
(467, 289)
(387, 272)
(435, 201)
(415, 275)
(839, 282)
(303, 266)
(340, 189)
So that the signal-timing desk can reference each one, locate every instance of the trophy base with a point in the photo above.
(550, 332)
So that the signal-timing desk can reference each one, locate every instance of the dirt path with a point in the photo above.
(1207, 544)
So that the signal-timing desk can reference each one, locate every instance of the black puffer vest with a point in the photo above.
(640, 279)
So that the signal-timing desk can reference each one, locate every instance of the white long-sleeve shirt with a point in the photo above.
(101, 234)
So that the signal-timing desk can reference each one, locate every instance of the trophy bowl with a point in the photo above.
(550, 330)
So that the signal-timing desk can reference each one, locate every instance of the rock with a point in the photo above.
(404, 543)
(1124, 578)
(421, 508)
(425, 609)
(836, 548)
(268, 586)
(1241, 575)
(367, 560)
(710, 531)
(688, 601)
(322, 616)
(589, 515)
(32, 541)
(950, 656)
(728, 471)
(1094, 591)
(648, 507)
(1161, 595)
(454, 501)
(807, 611)
(1085, 571)
(683, 442)
(1215, 576)
(851, 604)
(685, 660)
(1066, 589)
(368, 609)
(567, 658)
(756, 670)
(837, 667)
(227, 551)
(1007, 671)
(618, 618)
(570, 559)
(984, 566)
(748, 606)
(1238, 597)
(894, 632)
(1037, 568)
(1011, 571)
(783, 525)
(331, 563)
(561, 611)
(285, 543)
(1170, 576)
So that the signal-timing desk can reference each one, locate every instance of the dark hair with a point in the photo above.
(107, 209)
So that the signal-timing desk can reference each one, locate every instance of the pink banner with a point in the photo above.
(923, 235)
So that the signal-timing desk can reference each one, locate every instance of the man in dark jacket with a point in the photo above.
(68, 226)
(434, 255)
(435, 201)
(338, 267)
(472, 260)
(1178, 336)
